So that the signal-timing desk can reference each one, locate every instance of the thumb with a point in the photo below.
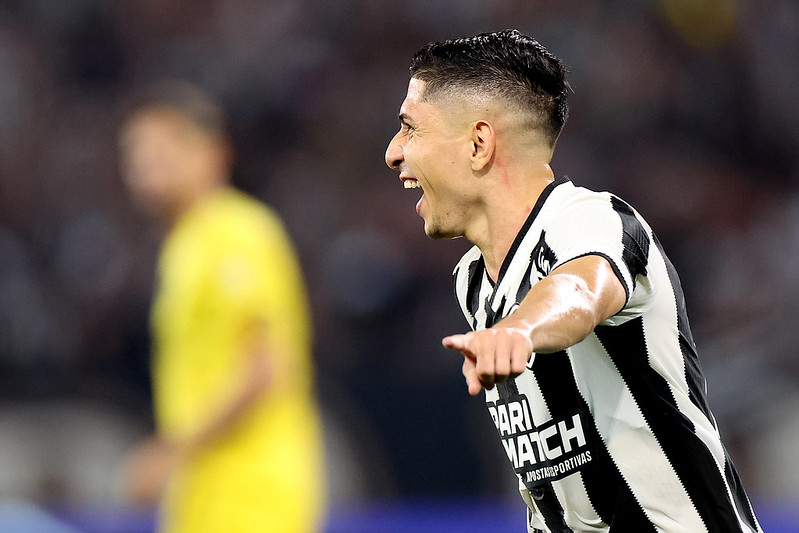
(472, 379)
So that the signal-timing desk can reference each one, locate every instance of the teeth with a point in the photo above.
(410, 184)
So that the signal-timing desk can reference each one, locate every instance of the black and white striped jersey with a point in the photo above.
(614, 433)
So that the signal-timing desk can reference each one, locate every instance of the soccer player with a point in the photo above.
(239, 444)
(580, 335)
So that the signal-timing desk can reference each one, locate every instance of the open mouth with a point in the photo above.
(410, 184)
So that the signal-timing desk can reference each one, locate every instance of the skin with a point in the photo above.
(481, 170)
(169, 165)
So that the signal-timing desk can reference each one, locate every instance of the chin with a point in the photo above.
(436, 232)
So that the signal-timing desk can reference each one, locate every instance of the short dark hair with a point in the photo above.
(507, 64)
(182, 97)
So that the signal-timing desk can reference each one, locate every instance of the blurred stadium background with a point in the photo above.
(687, 109)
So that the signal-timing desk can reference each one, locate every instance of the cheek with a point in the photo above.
(427, 161)
(149, 177)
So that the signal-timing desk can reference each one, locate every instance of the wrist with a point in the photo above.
(181, 448)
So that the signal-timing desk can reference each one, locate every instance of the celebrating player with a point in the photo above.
(581, 340)
(239, 444)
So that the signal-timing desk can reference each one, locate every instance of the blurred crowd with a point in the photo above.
(686, 109)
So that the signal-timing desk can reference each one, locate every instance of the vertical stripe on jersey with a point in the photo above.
(635, 255)
(693, 372)
(556, 380)
(635, 240)
(475, 280)
(692, 461)
(697, 388)
(737, 489)
(526, 283)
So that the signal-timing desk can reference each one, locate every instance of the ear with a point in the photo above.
(483, 143)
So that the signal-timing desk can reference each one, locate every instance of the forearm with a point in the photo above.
(150, 466)
(250, 383)
(558, 312)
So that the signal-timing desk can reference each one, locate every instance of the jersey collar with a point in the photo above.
(539, 204)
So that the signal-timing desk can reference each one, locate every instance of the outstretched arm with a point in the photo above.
(560, 310)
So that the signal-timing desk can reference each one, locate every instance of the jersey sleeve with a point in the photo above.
(259, 280)
(604, 225)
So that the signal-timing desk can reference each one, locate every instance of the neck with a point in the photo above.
(190, 201)
(507, 207)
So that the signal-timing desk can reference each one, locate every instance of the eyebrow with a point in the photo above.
(405, 118)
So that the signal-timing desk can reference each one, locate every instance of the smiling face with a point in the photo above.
(432, 152)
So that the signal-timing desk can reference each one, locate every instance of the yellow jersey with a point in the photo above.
(226, 267)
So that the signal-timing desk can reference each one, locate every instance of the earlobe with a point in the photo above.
(483, 144)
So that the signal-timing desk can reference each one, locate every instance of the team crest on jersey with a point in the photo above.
(543, 453)
(543, 257)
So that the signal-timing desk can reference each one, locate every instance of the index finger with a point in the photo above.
(460, 342)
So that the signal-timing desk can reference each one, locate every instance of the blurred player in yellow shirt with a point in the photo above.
(239, 441)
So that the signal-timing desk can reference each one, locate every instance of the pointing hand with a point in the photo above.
(491, 355)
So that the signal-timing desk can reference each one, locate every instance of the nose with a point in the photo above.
(394, 155)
